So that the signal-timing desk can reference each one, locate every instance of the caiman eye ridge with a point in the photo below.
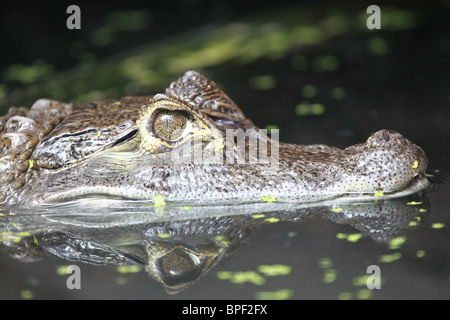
(168, 124)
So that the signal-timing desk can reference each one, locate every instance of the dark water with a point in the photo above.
(320, 76)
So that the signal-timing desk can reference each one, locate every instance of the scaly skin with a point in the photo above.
(124, 149)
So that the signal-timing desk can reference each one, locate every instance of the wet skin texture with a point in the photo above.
(124, 149)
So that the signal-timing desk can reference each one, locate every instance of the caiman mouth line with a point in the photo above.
(78, 197)
(418, 183)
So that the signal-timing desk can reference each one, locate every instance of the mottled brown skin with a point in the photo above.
(120, 149)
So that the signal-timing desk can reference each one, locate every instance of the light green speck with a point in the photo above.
(420, 253)
(271, 127)
(438, 225)
(387, 258)
(281, 294)
(317, 109)
(269, 199)
(292, 234)
(159, 201)
(413, 223)
(414, 203)
(325, 263)
(423, 210)
(396, 243)
(224, 275)
(99, 133)
(128, 269)
(9, 236)
(378, 46)
(26, 294)
(272, 220)
(274, 270)
(364, 294)
(415, 165)
(62, 270)
(344, 296)
(187, 208)
(218, 145)
(378, 193)
(258, 216)
(329, 275)
(23, 234)
(337, 209)
(304, 109)
(360, 281)
(223, 241)
(30, 163)
(117, 102)
(340, 235)
(247, 276)
(354, 237)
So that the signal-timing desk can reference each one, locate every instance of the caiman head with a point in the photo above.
(190, 146)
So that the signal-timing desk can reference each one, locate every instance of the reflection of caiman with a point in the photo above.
(57, 153)
(177, 252)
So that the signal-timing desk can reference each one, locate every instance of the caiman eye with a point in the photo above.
(169, 125)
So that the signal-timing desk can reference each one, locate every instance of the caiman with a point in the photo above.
(139, 148)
